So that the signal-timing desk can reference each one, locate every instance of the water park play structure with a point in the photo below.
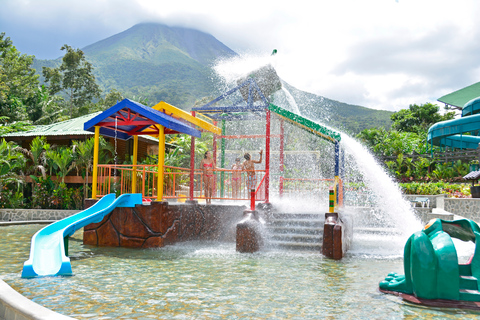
(433, 276)
(461, 133)
(129, 222)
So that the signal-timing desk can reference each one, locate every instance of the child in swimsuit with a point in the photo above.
(236, 178)
(249, 166)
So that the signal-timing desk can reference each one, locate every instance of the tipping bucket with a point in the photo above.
(267, 80)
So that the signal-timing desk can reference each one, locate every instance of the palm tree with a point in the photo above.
(11, 163)
(63, 159)
(84, 159)
(36, 155)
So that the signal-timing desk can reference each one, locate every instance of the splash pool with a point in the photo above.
(211, 281)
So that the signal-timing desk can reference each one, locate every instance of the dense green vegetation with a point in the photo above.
(407, 136)
(40, 162)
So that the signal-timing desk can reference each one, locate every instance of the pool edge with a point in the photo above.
(14, 306)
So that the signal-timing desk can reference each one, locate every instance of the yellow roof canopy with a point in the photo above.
(181, 114)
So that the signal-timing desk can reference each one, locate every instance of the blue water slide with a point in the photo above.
(451, 133)
(47, 250)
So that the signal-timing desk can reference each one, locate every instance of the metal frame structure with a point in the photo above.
(255, 106)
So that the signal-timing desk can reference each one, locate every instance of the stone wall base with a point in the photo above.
(34, 214)
(161, 223)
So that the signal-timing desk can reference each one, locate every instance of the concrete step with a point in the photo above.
(296, 245)
(295, 229)
(294, 237)
(374, 230)
(297, 222)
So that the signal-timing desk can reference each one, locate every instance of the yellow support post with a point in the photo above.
(331, 200)
(134, 169)
(95, 162)
(161, 161)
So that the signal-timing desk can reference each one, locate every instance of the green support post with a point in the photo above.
(222, 162)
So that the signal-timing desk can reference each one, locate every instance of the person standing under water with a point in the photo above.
(249, 166)
(236, 178)
(208, 167)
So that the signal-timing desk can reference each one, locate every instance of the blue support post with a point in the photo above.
(337, 169)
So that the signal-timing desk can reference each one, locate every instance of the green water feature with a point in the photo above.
(210, 281)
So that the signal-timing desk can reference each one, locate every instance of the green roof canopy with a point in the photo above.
(460, 97)
(71, 127)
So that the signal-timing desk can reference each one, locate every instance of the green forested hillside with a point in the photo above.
(173, 64)
(156, 62)
(343, 116)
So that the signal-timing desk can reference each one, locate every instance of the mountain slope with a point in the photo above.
(343, 116)
(174, 64)
(158, 62)
(159, 44)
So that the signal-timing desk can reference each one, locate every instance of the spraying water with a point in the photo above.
(388, 210)
(291, 100)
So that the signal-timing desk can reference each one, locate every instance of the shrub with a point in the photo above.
(452, 190)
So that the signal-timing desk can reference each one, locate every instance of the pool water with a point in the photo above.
(209, 280)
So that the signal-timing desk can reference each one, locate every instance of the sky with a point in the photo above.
(380, 54)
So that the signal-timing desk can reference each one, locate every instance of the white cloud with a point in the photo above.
(382, 54)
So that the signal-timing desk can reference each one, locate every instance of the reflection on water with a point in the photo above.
(210, 281)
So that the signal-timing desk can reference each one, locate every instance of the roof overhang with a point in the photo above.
(129, 118)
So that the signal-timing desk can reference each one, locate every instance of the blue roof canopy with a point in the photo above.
(253, 101)
(128, 118)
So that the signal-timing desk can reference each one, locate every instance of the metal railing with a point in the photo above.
(176, 182)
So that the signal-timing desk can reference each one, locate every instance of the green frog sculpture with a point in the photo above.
(433, 275)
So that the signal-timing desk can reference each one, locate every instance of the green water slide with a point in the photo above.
(462, 133)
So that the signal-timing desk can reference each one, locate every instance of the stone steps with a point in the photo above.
(296, 231)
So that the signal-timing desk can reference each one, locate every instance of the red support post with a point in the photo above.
(252, 199)
(282, 156)
(215, 145)
(267, 158)
(192, 163)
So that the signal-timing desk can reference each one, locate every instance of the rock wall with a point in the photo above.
(161, 223)
(468, 208)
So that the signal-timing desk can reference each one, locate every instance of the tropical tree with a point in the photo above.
(11, 163)
(418, 118)
(6, 126)
(37, 156)
(45, 108)
(84, 159)
(17, 80)
(74, 78)
(62, 158)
